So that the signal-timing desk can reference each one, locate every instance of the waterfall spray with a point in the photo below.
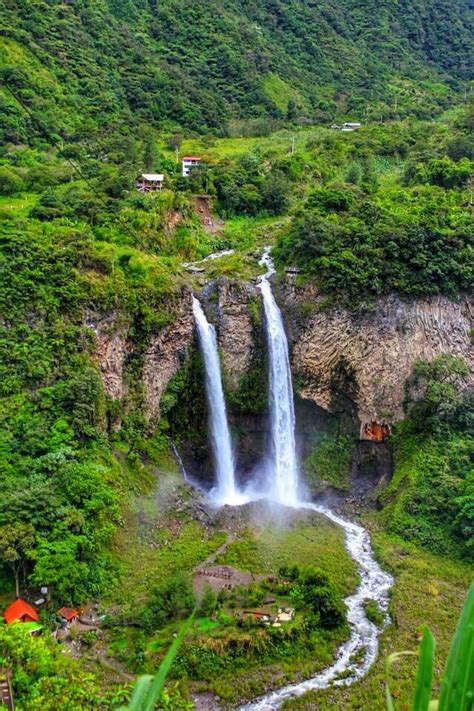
(283, 469)
(225, 490)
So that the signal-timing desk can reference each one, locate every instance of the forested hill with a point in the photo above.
(86, 65)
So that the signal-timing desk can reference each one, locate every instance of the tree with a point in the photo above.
(174, 142)
(276, 191)
(149, 151)
(58, 564)
(10, 182)
(291, 110)
(433, 392)
(16, 543)
(208, 602)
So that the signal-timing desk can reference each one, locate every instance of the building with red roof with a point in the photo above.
(20, 611)
(190, 162)
(69, 614)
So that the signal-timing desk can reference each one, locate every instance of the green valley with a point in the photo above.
(236, 249)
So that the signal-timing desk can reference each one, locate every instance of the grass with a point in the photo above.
(311, 540)
(429, 589)
(278, 142)
(280, 91)
(18, 205)
(156, 542)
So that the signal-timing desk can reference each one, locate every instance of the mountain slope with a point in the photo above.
(88, 65)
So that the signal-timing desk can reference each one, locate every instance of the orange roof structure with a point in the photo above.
(20, 611)
(68, 613)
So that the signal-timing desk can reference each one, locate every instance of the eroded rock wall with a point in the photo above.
(161, 360)
(366, 356)
(165, 355)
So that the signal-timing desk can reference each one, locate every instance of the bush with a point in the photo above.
(10, 182)
(174, 600)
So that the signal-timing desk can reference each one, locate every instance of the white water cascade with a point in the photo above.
(283, 466)
(225, 491)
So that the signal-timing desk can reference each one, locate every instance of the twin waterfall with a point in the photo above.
(282, 467)
(355, 656)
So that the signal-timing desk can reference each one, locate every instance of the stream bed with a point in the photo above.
(374, 584)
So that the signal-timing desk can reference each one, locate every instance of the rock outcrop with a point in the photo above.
(165, 355)
(367, 356)
(236, 327)
(111, 351)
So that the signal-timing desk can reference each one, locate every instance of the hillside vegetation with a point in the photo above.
(89, 67)
(92, 93)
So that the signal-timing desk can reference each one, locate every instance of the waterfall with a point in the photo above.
(283, 467)
(356, 655)
(225, 490)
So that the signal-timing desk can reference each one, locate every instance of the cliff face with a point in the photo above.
(362, 359)
(161, 361)
(111, 351)
(165, 355)
(236, 327)
(346, 362)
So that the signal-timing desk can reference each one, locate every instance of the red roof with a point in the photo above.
(19, 610)
(192, 158)
(69, 613)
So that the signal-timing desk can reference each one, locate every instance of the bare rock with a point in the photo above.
(165, 355)
(367, 356)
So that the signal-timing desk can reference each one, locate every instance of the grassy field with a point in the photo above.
(280, 142)
(18, 205)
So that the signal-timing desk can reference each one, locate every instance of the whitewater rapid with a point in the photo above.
(374, 585)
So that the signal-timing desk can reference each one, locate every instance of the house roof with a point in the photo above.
(192, 158)
(69, 613)
(158, 177)
(19, 609)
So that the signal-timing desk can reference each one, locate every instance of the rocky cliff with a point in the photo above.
(160, 358)
(344, 361)
(361, 359)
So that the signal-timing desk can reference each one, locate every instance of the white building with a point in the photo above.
(190, 162)
(351, 126)
(147, 182)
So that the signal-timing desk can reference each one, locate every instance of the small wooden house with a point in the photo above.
(20, 611)
(148, 182)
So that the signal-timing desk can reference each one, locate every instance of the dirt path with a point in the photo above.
(209, 221)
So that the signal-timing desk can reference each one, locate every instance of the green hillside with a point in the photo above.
(96, 291)
(90, 66)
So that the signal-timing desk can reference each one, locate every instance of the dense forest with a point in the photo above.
(92, 94)
(87, 67)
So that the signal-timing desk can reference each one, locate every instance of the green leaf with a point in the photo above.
(148, 688)
(424, 675)
(141, 688)
(457, 690)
